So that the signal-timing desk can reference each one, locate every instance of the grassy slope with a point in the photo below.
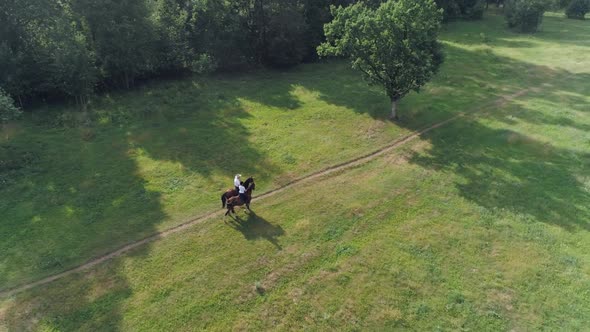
(483, 224)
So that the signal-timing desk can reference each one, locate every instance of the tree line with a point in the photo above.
(74, 48)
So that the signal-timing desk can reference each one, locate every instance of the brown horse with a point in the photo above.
(237, 201)
(232, 192)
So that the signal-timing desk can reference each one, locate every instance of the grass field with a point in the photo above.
(481, 224)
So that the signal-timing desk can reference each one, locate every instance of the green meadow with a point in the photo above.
(482, 224)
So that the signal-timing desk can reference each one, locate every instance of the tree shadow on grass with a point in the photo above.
(74, 200)
(84, 191)
(69, 200)
(255, 227)
(539, 118)
(92, 303)
(266, 86)
(201, 127)
(564, 30)
(499, 168)
(78, 193)
(506, 170)
(466, 81)
(557, 29)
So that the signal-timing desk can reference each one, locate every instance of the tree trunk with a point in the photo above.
(126, 80)
(83, 103)
(393, 115)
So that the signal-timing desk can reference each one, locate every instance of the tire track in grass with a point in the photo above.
(502, 100)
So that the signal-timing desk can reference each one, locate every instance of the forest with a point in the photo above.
(71, 49)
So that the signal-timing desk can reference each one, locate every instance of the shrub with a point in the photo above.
(203, 64)
(467, 9)
(8, 111)
(577, 9)
(525, 15)
(450, 9)
(474, 9)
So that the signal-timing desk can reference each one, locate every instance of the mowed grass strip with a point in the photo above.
(74, 186)
(466, 228)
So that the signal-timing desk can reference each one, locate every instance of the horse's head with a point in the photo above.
(249, 184)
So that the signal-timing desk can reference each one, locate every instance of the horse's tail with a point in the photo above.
(223, 199)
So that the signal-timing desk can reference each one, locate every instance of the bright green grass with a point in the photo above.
(153, 158)
(483, 225)
(465, 229)
(147, 160)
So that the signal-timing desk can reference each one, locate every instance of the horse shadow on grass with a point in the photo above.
(255, 227)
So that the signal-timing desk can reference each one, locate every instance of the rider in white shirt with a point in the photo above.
(237, 182)
(242, 193)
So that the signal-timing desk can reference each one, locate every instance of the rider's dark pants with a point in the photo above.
(244, 198)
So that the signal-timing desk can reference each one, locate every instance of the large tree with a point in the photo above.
(394, 45)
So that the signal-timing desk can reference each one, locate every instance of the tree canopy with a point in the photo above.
(74, 48)
(71, 48)
(577, 9)
(394, 45)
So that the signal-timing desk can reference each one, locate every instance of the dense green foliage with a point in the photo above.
(468, 9)
(560, 4)
(72, 48)
(8, 111)
(577, 9)
(394, 45)
(525, 15)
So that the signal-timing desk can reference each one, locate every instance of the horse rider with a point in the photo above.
(237, 182)
(242, 193)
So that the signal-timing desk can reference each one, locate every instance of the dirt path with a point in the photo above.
(189, 223)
